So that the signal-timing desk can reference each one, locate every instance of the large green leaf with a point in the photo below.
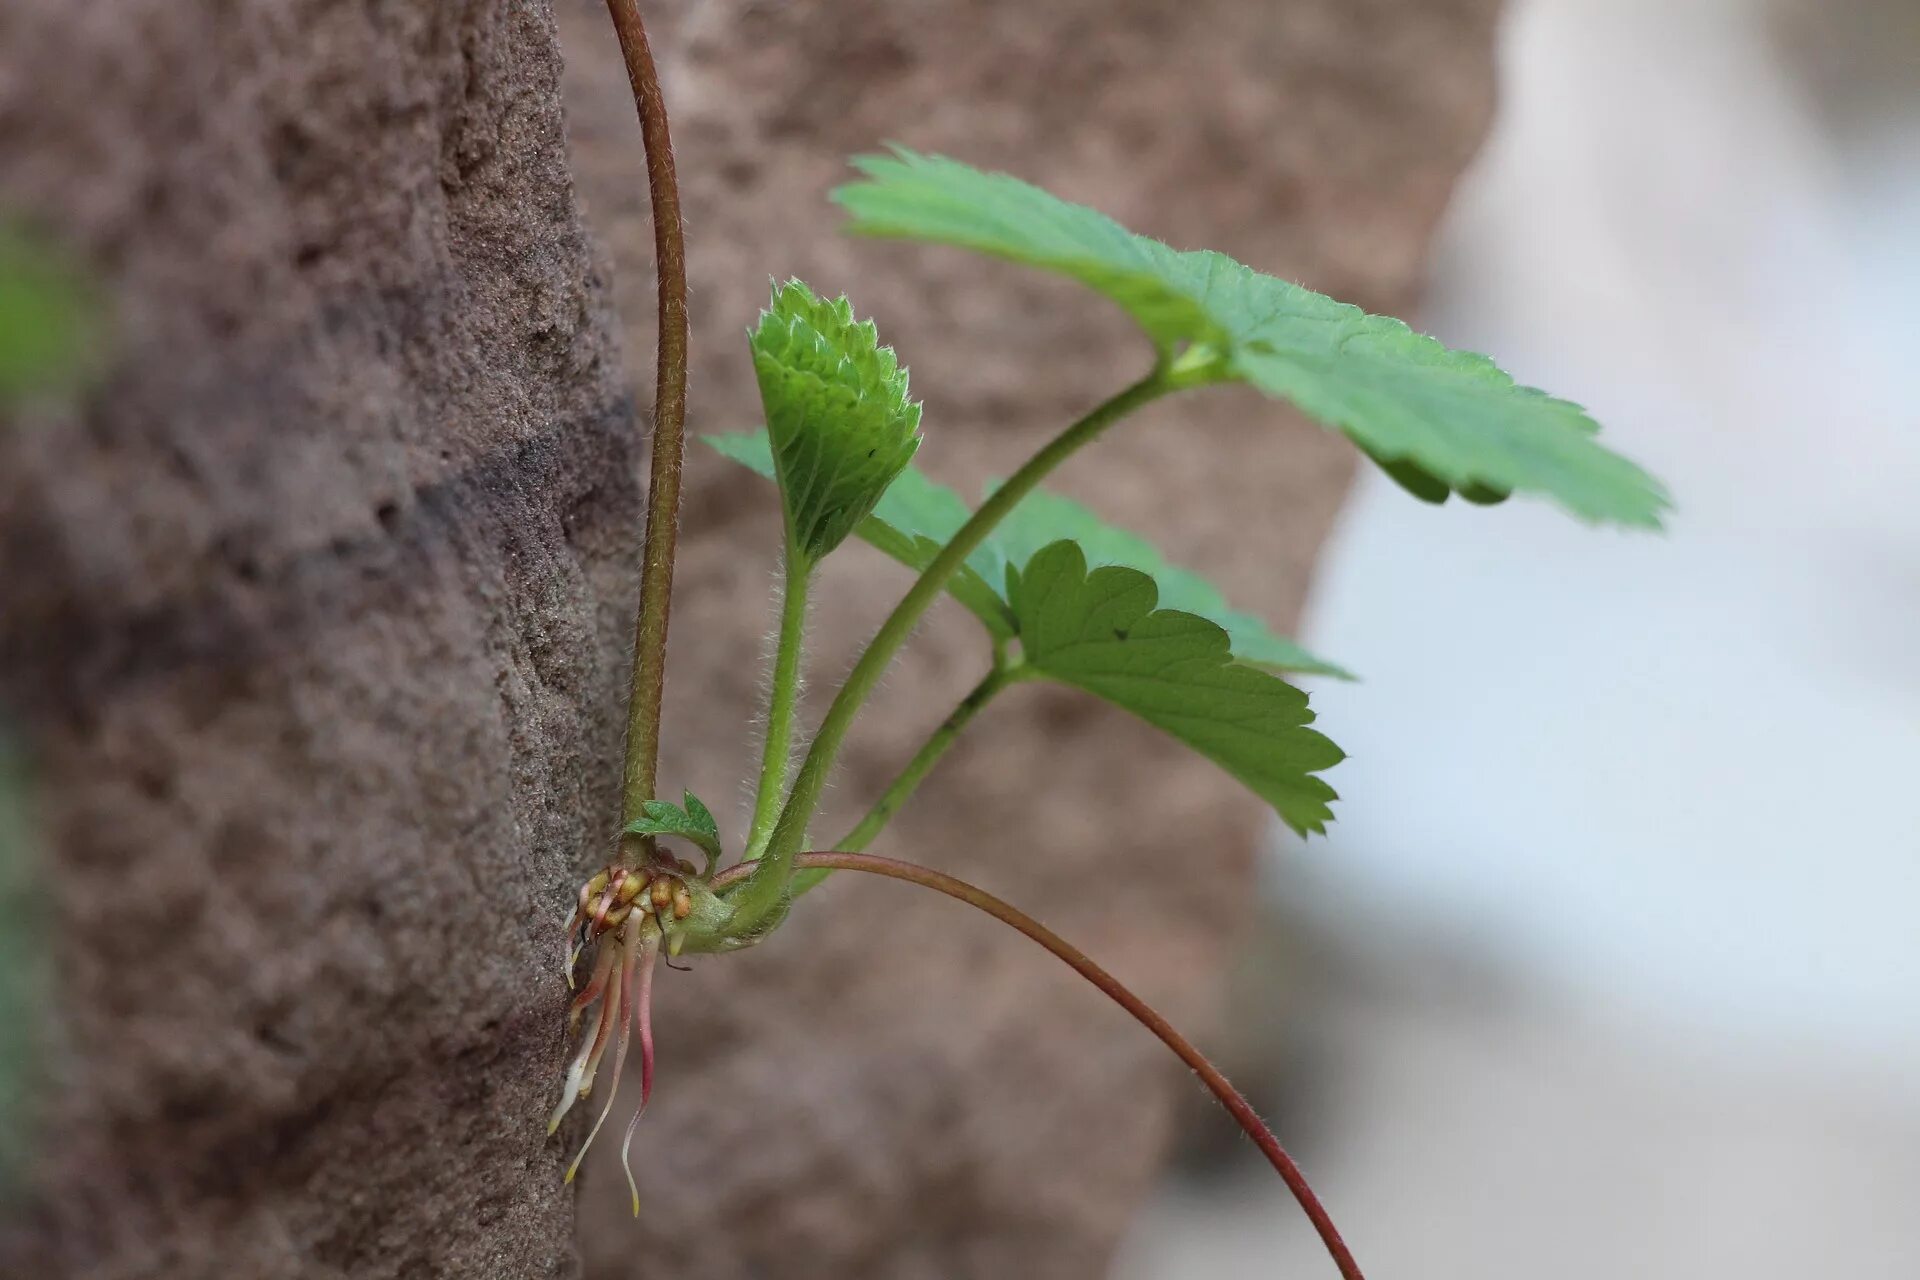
(917, 516)
(837, 411)
(1440, 420)
(1099, 630)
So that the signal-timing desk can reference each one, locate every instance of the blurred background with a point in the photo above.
(1609, 967)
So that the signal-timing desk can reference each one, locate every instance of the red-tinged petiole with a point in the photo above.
(1229, 1097)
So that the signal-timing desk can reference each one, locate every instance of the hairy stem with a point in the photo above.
(768, 887)
(781, 700)
(909, 779)
(1237, 1106)
(641, 772)
(929, 755)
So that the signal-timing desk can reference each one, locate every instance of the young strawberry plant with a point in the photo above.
(1059, 594)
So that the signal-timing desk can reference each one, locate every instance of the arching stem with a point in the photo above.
(640, 774)
(1237, 1106)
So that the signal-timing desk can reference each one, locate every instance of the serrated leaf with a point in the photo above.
(837, 413)
(917, 516)
(1043, 518)
(701, 818)
(691, 821)
(1448, 419)
(1099, 630)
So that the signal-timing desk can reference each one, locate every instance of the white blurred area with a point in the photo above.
(1616, 944)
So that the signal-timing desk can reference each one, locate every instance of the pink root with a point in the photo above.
(602, 907)
(643, 1022)
(629, 951)
(597, 983)
(569, 949)
(580, 1072)
(607, 1017)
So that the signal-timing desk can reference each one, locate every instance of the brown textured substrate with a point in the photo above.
(297, 627)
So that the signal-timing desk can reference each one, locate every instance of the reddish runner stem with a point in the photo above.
(1237, 1106)
(640, 775)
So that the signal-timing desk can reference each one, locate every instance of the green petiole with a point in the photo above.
(767, 889)
(902, 788)
(782, 699)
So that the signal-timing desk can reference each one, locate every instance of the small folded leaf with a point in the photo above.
(837, 412)
(1100, 631)
(917, 516)
(693, 822)
(700, 818)
(1441, 419)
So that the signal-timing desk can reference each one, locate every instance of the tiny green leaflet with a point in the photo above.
(690, 820)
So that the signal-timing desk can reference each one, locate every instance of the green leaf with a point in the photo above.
(1450, 419)
(1044, 518)
(837, 411)
(917, 516)
(1100, 631)
(691, 821)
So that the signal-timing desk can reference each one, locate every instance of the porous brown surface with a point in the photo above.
(314, 615)
(299, 631)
